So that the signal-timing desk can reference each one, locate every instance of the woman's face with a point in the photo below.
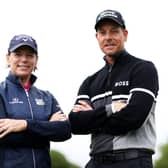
(22, 62)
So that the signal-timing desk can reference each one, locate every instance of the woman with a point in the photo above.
(32, 116)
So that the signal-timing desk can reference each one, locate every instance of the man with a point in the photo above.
(116, 104)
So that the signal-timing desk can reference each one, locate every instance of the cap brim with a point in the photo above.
(110, 19)
(23, 44)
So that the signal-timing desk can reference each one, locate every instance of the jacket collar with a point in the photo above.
(16, 80)
(120, 58)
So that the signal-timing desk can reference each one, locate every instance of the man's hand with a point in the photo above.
(11, 125)
(118, 105)
(83, 106)
(58, 116)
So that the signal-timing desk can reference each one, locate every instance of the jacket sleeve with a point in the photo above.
(85, 122)
(2, 108)
(42, 131)
(21, 138)
(144, 89)
(52, 130)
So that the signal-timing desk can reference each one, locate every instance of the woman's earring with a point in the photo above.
(35, 68)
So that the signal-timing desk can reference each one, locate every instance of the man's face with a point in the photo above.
(111, 37)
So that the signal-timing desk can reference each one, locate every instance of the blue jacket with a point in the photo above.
(30, 148)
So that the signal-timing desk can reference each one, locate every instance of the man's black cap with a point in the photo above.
(112, 15)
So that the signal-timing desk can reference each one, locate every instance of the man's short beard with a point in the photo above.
(113, 56)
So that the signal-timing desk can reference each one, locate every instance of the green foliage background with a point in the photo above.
(58, 160)
(162, 162)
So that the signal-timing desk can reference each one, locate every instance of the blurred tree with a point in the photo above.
(162, 162)
(58, 160)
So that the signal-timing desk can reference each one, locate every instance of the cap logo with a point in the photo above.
(108, 14)
(24, 38)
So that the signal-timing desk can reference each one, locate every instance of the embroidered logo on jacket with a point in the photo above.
(122, 83)
(16, 100)
(40, 102)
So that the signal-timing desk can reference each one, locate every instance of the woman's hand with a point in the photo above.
(11, 125)
(58, 116)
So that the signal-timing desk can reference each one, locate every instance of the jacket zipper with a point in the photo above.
(108, 85)
(109, 76)
(32, 116)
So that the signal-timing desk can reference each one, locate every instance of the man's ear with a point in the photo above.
(125, 34)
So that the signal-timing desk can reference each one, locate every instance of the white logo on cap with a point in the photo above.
(110, 14)
(24, 38)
